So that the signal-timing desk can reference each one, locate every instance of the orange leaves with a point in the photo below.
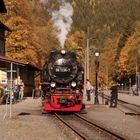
(24, 41)
(76, 42)
(124, 56)
(20, 36)
(110, 45)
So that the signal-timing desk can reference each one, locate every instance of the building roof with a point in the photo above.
(5, 59)
(4, 27)
(33, 67)
(2, 7)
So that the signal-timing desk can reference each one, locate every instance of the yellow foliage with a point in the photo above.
(123, 60)
(76, 42)
(23, 42)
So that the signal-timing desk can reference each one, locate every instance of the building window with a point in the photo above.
(2, 46)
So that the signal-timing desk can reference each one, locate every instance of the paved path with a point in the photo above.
(31, 124)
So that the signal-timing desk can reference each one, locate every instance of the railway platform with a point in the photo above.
(115, 119)
(101, 100)
(124, 97)
(26, 125)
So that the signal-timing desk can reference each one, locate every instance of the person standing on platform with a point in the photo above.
(21, 92)
(16, 92)
(114, 95)
(88, 89)
(133, 90)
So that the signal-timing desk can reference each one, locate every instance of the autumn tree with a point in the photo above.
(134, 51)
(111, 22)
(76, 42)
(124, 72)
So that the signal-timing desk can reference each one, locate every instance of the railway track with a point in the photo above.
(86, 129)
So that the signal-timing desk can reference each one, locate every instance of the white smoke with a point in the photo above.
(44, 1)
(62, 20)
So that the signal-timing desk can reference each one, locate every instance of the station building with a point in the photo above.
(11, 70)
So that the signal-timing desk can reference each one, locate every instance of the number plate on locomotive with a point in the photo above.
(62, 69)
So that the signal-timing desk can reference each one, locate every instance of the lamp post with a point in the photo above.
(122, 86)
(86, 64)
(87, 56)
(129, 85)
(85, 72)
(96, 101)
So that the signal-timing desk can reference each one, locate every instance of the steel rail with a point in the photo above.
(101, 127)
(71, 127)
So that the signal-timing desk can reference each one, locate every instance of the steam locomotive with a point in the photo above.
(62, 83)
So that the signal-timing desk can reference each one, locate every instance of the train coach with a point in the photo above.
(62, 83)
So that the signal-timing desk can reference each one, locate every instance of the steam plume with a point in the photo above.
(62, 19)
(44, 1)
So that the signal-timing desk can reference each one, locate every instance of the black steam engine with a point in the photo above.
(62, 82)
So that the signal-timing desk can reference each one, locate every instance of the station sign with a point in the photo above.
(3, 77)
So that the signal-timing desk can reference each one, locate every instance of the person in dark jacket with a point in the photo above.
(114, 95)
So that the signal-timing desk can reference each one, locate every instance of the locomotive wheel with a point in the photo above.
(83, 112)
(83, 106)
(44, 111)
(1, 100)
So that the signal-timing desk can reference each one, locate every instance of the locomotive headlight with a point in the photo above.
(73, 84)
(63, 51)
(53, 84)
